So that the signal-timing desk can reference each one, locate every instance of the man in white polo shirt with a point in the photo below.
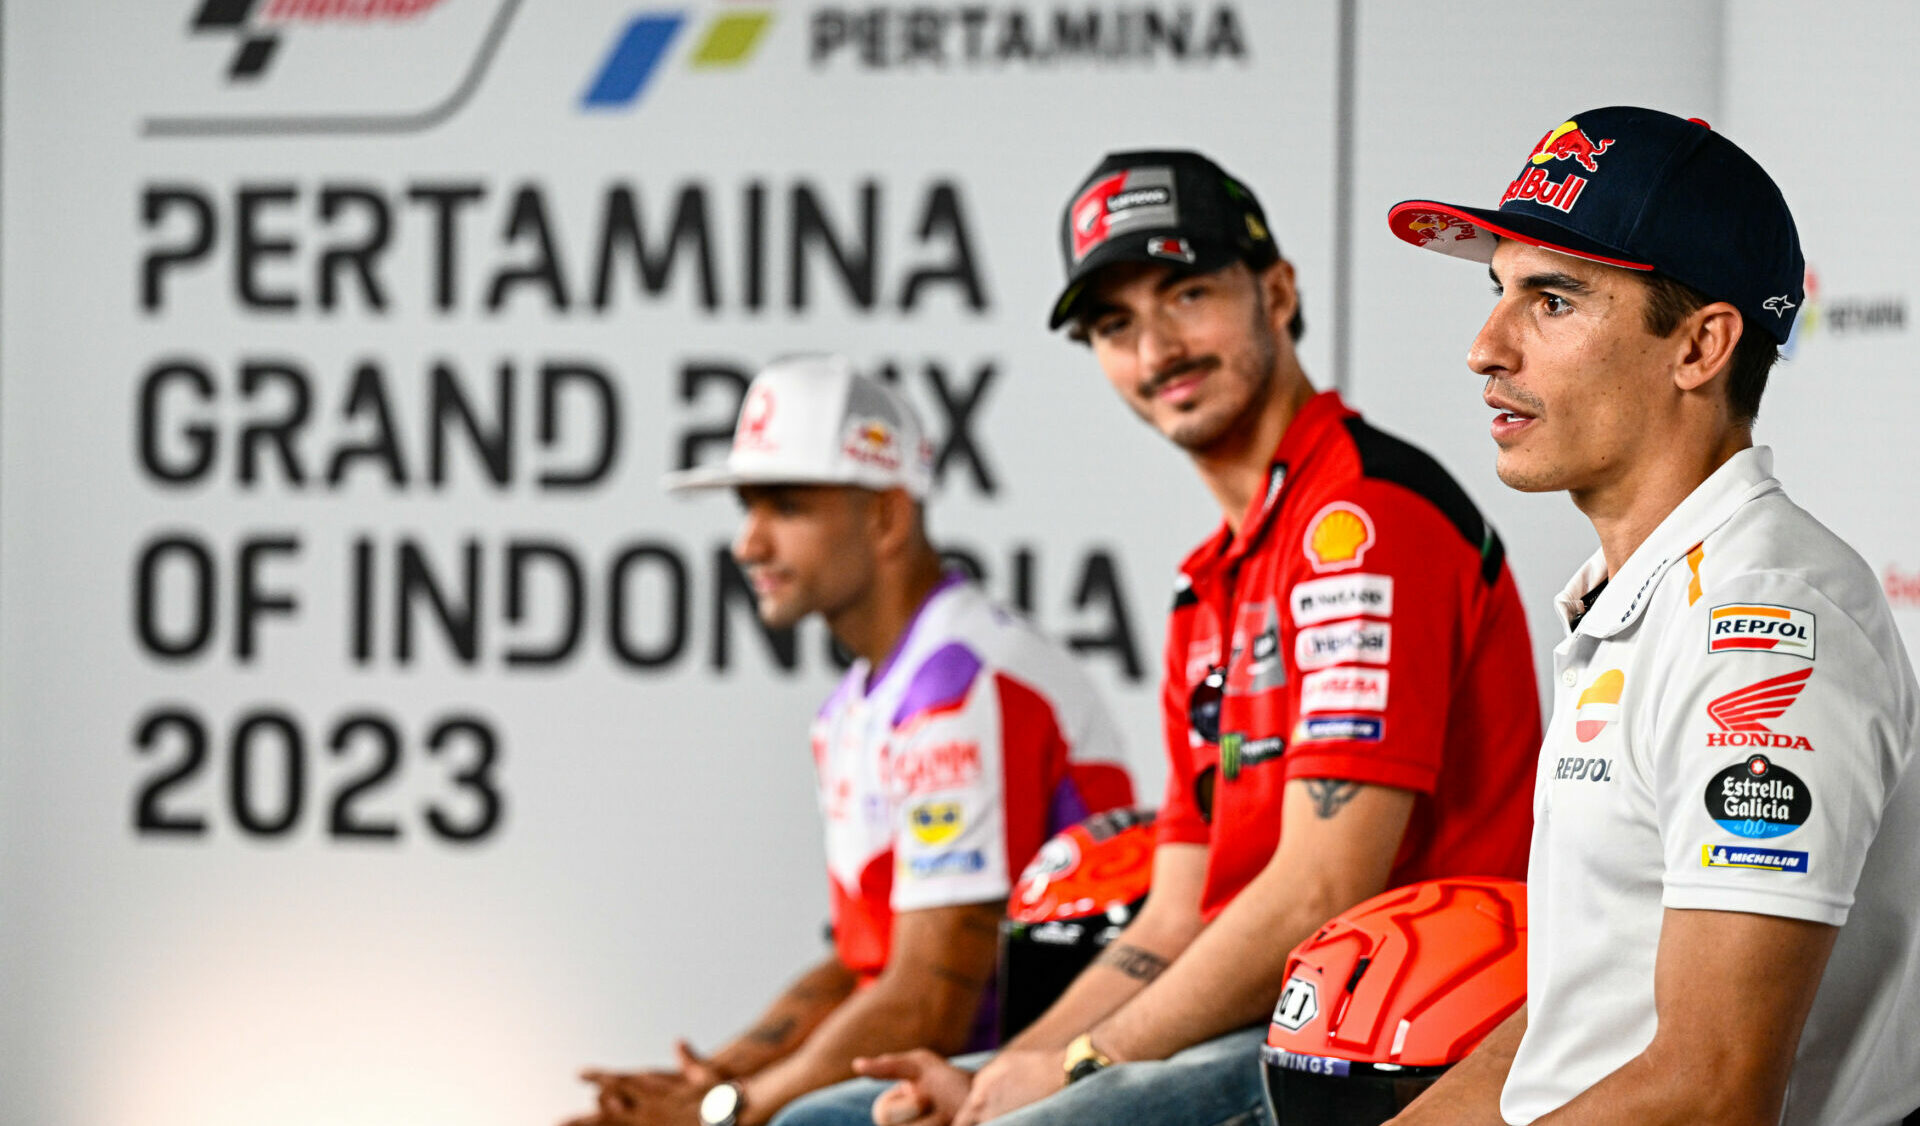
(1725, 874)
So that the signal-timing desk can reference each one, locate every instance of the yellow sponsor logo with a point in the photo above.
(936, 822)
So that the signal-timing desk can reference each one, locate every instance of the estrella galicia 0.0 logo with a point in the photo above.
(1757, 799)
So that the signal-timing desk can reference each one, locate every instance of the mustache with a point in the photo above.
(1164, 376)
(1532, 404)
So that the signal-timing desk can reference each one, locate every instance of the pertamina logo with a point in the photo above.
(727, 40)
(1565, 141)
(1743, 627)
(302, 66)
(1598, 706)
(1741, 714)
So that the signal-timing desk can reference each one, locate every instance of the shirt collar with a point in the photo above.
(1745, 476)
(1311, 427)
(949, 578)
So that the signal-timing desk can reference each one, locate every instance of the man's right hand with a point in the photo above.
(930, 1092)
(626, 1092)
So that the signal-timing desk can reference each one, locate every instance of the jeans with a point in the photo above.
(1217, 1083)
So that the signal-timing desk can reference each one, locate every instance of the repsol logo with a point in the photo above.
(1577, 769)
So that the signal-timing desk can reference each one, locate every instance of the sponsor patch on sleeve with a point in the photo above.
(1752, 627)
(1341, 596)
(1758, 799)
(959, 862)
(1343, 643)
(1338, 537)
(1340, 729)
(1742, 856)
(1344, 689)
(936, 822)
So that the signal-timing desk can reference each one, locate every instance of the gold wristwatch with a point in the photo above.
(1083, 1059)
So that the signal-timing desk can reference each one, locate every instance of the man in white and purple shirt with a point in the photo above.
(959, 740)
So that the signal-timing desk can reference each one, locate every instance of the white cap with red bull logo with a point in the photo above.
(813, 420)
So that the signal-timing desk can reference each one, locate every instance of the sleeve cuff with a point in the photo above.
(1753, 901)
(1420, 779)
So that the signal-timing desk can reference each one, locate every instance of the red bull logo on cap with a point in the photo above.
(1565, 141)
(1430, 227)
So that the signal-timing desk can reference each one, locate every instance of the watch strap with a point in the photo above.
(1083, 1059)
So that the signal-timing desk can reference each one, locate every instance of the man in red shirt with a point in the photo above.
(1349, 696)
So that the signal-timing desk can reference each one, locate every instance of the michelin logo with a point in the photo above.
(1765, 859)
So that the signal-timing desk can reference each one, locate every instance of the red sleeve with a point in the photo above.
(1179, 821)
(1378, 592)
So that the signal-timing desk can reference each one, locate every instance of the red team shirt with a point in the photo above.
(1370, 631)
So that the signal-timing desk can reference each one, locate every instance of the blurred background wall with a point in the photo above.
(379, 745)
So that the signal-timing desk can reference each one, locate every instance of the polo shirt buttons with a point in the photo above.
(1569, 677)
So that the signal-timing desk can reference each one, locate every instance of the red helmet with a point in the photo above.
(1389, 994)
(1080, 890)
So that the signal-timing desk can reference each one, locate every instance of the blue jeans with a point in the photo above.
(1217, 1083)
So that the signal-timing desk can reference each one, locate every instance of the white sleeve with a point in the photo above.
(1774, 749)
(950, 829)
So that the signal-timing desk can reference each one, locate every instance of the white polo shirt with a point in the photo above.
(1733, 729)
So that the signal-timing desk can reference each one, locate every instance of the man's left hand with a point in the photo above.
(1015, 1078)
(680, 1108)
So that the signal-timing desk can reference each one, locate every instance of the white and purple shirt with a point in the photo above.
(945, 769)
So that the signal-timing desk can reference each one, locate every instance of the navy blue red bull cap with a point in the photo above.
(1172, 207)
(1642, 190)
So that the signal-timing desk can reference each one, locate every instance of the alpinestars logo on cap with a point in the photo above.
(1778, 306)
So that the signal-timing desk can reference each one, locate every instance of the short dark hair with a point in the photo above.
(1258, 259)
(1669, 302)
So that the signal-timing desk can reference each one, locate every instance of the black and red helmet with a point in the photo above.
(1080, 890)
(1389, 994)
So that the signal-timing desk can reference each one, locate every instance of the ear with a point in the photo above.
(1706, 340)
(1283, 300)
(892, 517)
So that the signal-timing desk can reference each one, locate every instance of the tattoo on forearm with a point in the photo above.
(1330, 795)
(1138, 964)
(775, 1032)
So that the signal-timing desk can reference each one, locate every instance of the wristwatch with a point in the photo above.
(722, 1105)
(1083, 1059)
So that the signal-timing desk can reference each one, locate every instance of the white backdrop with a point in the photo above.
(653, 866)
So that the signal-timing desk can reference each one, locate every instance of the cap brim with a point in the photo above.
(1205, 258)
(1472, 232)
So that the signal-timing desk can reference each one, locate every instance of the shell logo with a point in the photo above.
(1599, 705)
(1338, 537)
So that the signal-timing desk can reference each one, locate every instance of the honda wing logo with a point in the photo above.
(1745, 709)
